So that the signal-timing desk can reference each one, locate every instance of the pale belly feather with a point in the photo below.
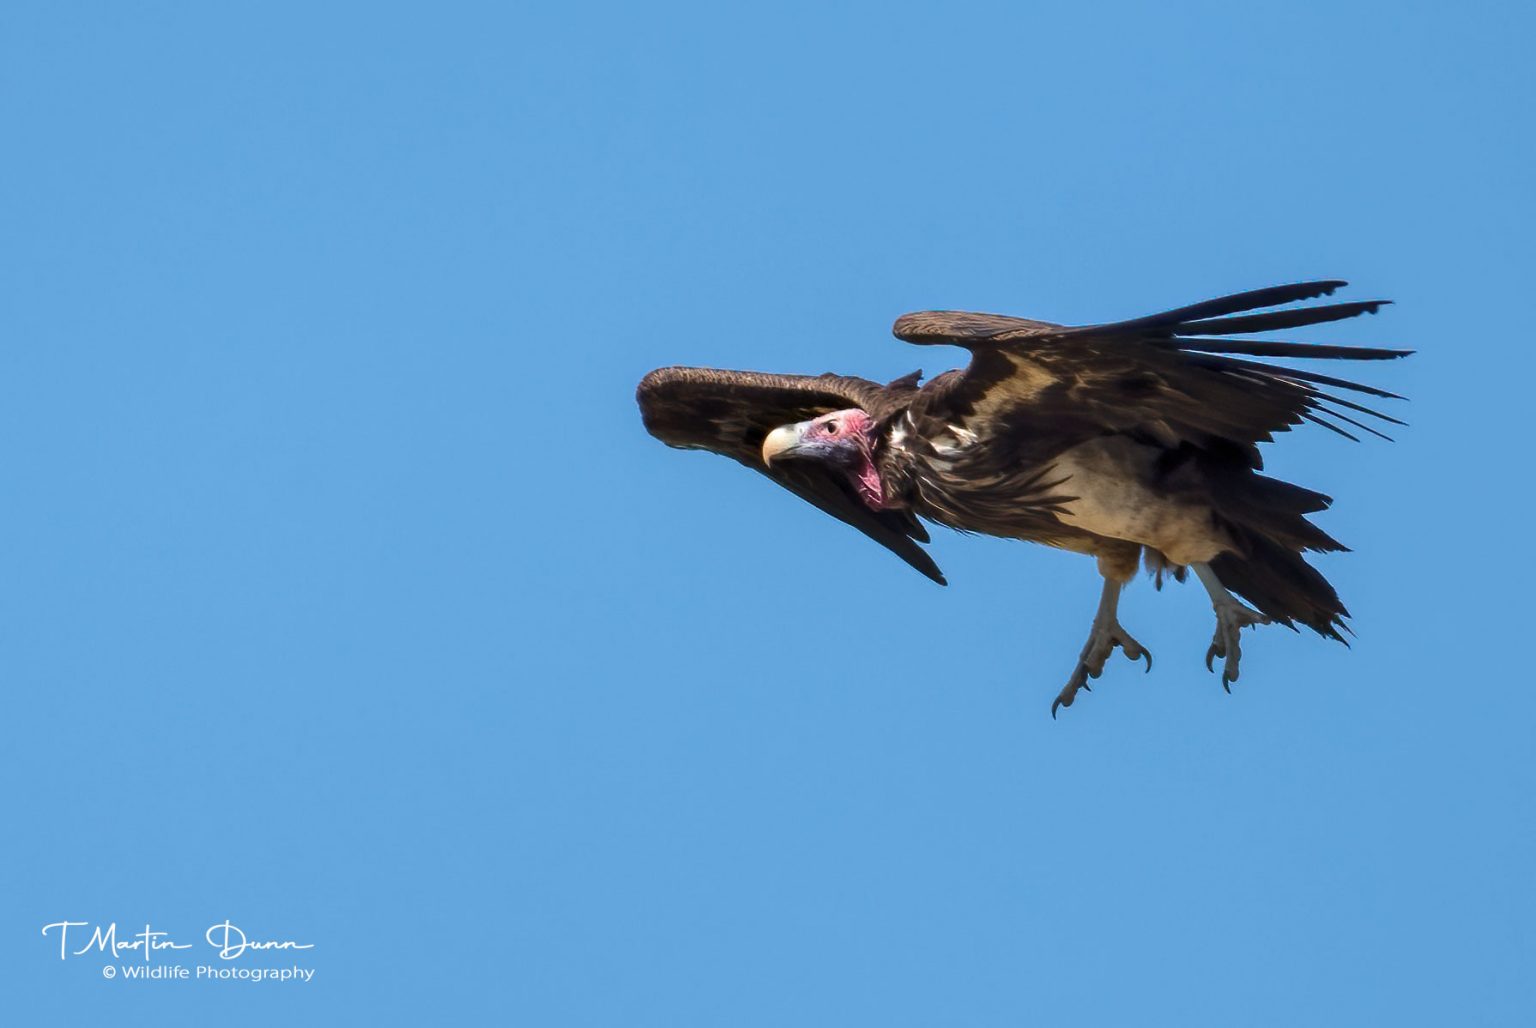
(1110, 479)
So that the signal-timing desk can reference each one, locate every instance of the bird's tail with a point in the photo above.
(1267, 519)
(1277, 580)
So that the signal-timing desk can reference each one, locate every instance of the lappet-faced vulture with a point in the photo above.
(1134, 442)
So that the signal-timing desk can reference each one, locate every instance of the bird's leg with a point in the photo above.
(1102, 640)
(1231, 618)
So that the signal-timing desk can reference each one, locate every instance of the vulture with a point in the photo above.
(1134, 442)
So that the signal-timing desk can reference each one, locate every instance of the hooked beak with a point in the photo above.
(782, 441)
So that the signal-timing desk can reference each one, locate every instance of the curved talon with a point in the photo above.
(1101, 645)
(1063, 699)
(1107, 635)
(1135, 651)
(1231, 618)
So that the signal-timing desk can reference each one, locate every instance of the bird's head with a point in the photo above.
(843, 440)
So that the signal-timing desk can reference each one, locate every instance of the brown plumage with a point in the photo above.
(1128, 441)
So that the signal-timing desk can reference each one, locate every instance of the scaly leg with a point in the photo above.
(1231, 618)
(1102, 640)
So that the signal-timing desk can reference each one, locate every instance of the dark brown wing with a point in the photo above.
(1166, 375)
(730, 412)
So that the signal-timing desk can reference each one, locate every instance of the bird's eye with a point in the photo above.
(831, 427)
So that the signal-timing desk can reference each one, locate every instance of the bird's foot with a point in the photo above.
(1231, 618)
(1090, 664)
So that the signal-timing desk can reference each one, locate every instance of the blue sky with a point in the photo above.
(343, 595)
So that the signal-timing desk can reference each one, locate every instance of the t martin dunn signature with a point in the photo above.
(230, 941)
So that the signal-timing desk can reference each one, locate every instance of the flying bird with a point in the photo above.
(1135, 442)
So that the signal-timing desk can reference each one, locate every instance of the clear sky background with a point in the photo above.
(343, 595)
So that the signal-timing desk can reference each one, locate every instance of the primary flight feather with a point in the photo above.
(1135, 441)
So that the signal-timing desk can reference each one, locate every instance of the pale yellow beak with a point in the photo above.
(781, 439)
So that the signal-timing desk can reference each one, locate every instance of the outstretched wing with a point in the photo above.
(1170, 375)
(731, 412)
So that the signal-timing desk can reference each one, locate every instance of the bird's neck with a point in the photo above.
(867, 483)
